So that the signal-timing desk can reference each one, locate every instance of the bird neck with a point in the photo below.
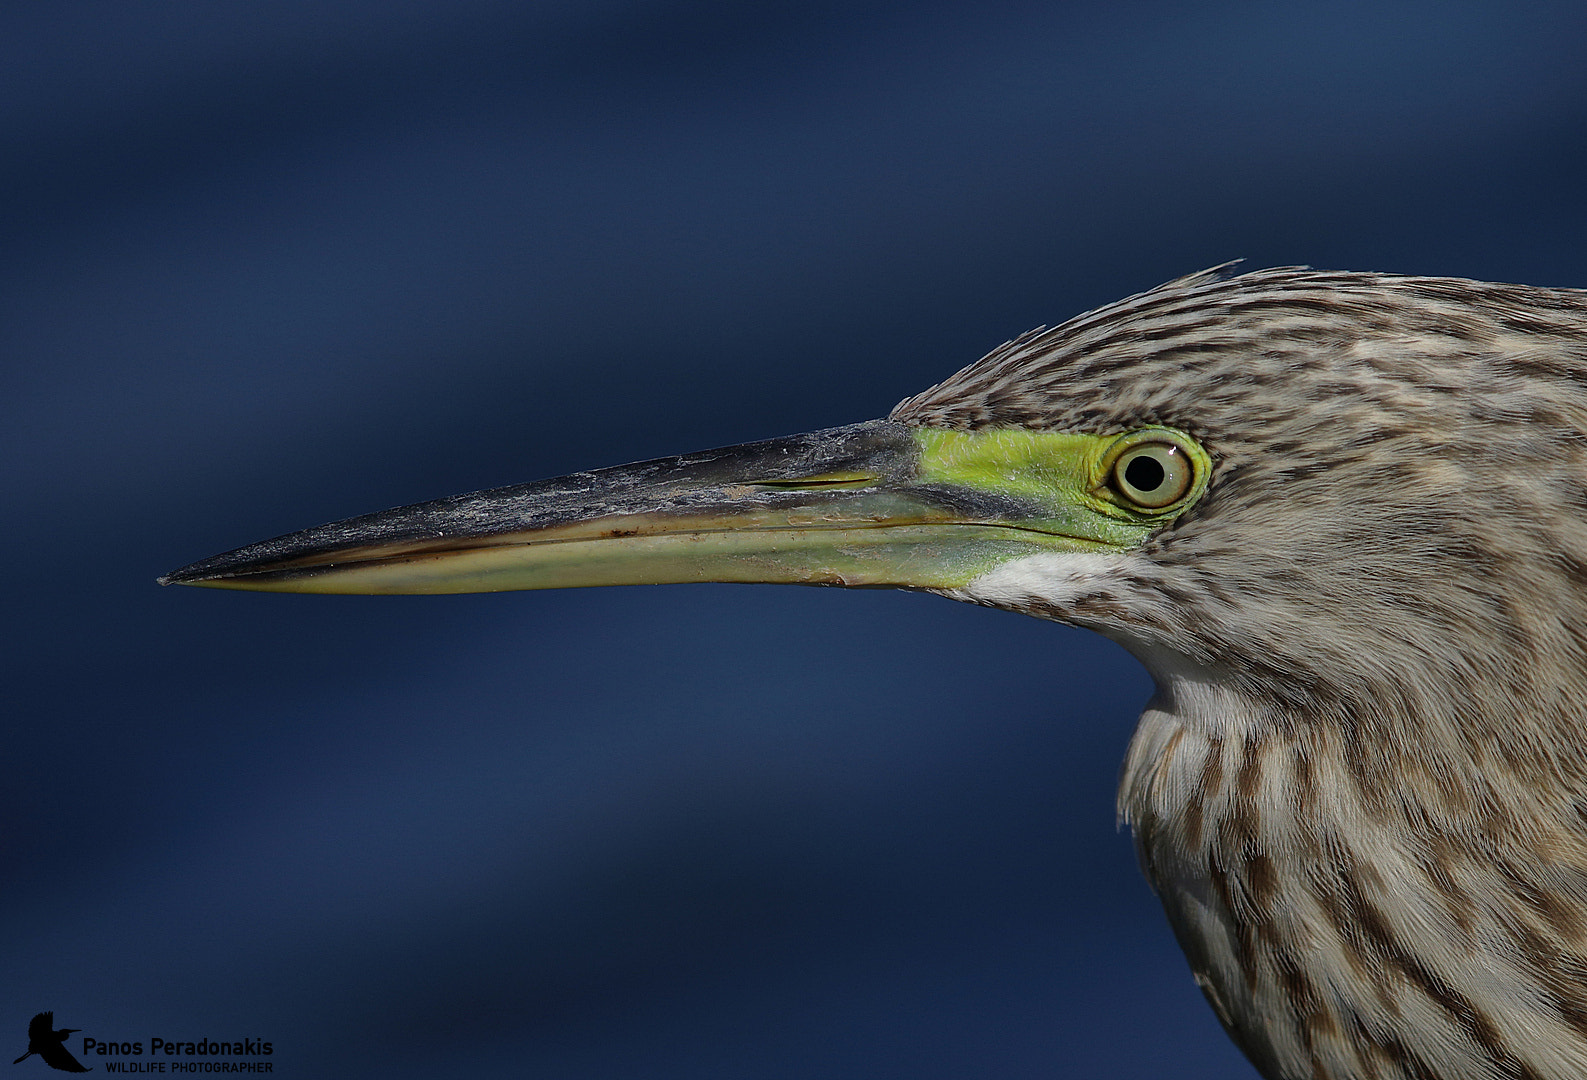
(1352, 907)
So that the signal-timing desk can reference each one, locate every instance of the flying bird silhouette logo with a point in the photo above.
(50, 1044)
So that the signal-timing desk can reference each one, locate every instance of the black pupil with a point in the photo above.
(1145, 473)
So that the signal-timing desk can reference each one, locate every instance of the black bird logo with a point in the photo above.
(50, 1044)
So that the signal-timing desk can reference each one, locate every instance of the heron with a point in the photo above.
(1340, 517)
(49, 1043)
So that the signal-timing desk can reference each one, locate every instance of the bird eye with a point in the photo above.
(1153, 475)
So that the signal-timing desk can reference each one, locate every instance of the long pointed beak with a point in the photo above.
(864, 505)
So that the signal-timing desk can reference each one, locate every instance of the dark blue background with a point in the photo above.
(267, 264)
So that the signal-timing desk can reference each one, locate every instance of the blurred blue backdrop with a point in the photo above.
(271, 263)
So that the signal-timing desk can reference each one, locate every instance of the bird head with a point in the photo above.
(1353, 495)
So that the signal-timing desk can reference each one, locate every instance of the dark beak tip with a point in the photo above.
(186, 575)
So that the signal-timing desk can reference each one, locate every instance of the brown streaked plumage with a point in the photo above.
(1361, 788)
